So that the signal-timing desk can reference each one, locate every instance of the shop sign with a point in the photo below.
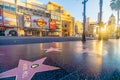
(27, 20)
(53, 24)
(40, 22)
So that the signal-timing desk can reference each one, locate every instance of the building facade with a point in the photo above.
(64, 25)
(33, 18)
(67, 24)
(55, 23)
(8, 18)
(78, 28)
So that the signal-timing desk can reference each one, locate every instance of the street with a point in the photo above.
(93, 60)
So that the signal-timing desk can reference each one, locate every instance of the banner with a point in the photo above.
(53, 24)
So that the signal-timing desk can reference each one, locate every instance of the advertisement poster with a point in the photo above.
(53, 24)
(40, 22)
(10, 20)
(27, 20)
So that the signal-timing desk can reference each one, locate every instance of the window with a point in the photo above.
(6, 6)
(12, 8)
(23, 0)
(1, 5)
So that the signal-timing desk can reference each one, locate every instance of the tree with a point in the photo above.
(115, 5)
(84, 20)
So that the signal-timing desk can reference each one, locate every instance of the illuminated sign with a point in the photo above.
(53, 24)
(40, 22)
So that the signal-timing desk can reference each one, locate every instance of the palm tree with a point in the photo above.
(84, 20)
(101, 5)
(115, 5)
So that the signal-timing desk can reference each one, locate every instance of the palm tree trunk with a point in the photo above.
(84, 20)
(100, 6)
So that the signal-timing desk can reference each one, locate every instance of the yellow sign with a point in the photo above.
(40, 22)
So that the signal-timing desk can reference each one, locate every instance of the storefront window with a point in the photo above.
(12, 8)
(54, 17)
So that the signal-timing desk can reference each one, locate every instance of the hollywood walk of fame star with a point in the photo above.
(51, 49)
(27, 69)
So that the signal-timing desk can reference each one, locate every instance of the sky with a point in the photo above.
(92, 8)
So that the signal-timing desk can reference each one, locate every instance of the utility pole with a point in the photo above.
(84, 20)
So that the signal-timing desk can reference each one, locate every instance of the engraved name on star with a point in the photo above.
(27, 69)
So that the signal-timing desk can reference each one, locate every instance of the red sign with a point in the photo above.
(53, 24)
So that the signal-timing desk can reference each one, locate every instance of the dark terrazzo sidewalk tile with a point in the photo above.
(50, 75)
(10, 78)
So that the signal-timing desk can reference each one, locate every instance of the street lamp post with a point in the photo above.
(84, 19)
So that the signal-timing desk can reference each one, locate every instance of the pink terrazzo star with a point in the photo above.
(27, 69)
(51, 49)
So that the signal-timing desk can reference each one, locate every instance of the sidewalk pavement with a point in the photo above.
(30, 40)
